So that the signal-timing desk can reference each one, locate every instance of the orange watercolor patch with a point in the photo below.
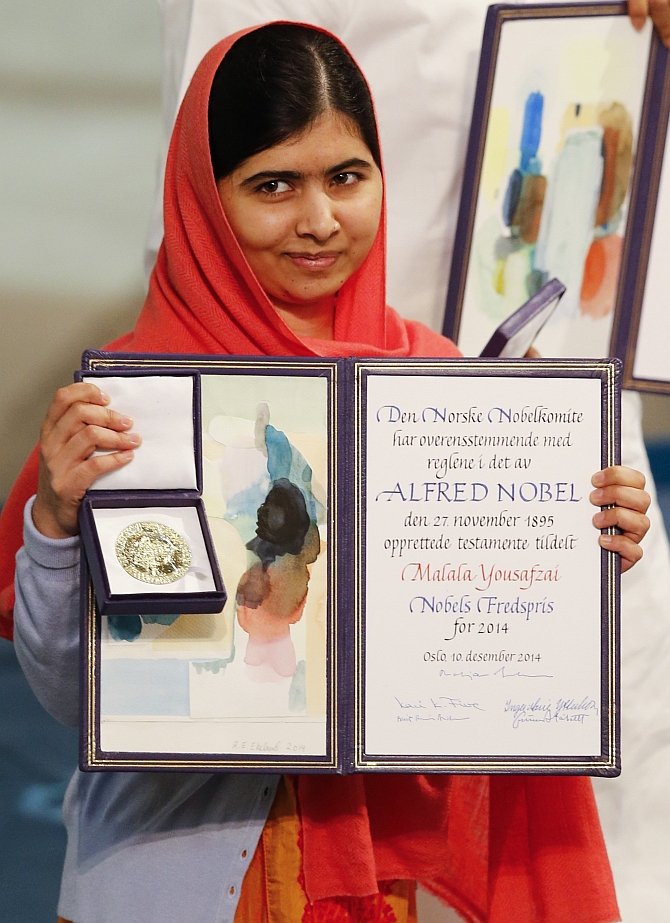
(601, 274)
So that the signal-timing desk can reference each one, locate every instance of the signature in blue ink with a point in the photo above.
(418, 704)
(448, 701)
(542, 711)
(440, 704)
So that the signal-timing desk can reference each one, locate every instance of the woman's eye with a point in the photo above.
(346, 179)
(274, 187)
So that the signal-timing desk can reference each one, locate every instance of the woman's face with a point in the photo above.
(306, 211)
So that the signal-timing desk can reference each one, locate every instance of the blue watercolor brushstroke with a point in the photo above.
(280, 453)
(531, 133)
(145, 687)
(285, 461)
(241, 510)
(124, 627)
(529, 163)
(512, 196)
(210, 666)
(129, 627)
(297, 694)
(166, 620)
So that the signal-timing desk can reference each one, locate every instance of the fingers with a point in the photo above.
(76, 467)
(638, 10)
(56, 506)
(659, 10)
(81, 446)
(621, 490)
(79, 423)
(620, 486)
(628, 497)
(618, 474)
(59, 494)
(73, 482)
(629, 550)
(660, 14)
(71, 414)
(633, 525)
(66, 397)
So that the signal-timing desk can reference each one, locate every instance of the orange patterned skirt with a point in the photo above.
(273, 890)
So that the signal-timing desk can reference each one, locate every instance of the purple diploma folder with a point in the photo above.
(515, 336)
(414, 582)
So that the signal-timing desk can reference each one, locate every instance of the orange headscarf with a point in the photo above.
(502, 850)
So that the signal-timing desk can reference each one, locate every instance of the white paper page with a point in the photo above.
(483, 618)
(294, 737)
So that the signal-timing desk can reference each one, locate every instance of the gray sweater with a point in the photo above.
(142, 847)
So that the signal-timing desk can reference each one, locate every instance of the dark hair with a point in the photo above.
(273, 84)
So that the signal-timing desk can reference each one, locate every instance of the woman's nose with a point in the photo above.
(317, 216)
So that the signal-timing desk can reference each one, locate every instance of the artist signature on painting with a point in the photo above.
(543, 711)
(266, 746)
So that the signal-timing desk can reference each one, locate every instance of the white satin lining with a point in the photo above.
(183, 519)
(161, 407)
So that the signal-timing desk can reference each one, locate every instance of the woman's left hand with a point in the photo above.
(622, 490)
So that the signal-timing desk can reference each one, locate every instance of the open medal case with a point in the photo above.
(144, 529)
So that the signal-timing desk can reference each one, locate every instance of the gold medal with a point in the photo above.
(153, 553)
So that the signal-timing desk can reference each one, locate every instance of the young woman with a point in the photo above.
(274, 245)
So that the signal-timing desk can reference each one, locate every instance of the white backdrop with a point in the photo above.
(420, 57)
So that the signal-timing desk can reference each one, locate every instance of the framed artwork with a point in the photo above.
(564, 110)
(403, 544)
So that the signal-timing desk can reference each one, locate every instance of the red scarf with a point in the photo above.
(506, 849)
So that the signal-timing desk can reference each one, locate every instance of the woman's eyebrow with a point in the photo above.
(270, 175)
(266, 175)
(345, 165)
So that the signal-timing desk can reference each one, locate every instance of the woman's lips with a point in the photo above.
(314, 262)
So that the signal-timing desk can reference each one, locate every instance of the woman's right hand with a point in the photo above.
(78, 423)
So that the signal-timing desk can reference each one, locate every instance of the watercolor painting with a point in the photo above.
(556, 175)
(264, 658)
